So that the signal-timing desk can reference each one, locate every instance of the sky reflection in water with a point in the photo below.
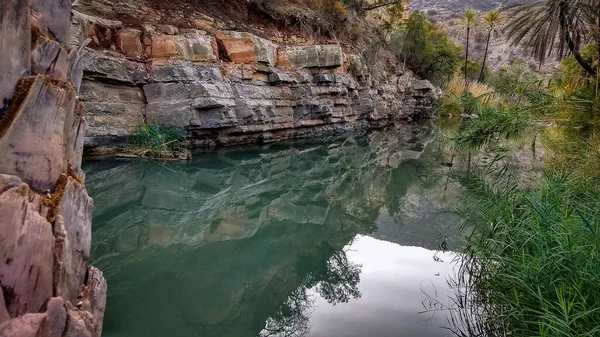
(284, 240)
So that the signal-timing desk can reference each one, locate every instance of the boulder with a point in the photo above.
(238, 50)
(241, 47)
(15, 44)
(195, 46)
(422, 85)
(26, 255)
(129, 41)
(164, 46)
(316, 56)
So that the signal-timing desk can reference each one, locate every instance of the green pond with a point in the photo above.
(339, 237)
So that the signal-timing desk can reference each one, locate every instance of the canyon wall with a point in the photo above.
(47, 287)
(224, 87)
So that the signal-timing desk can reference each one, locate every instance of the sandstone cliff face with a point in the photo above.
(46, 285)
(226, 87)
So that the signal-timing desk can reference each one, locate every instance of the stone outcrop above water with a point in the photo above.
(47, 288)
(226, 87)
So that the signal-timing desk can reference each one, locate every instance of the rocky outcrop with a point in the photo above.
(227, 88)
(47, 288)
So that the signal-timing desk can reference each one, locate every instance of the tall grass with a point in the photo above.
(457, 91)
(534, 256)
(159, 141)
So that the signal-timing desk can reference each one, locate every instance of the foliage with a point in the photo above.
(532, 260)
(557, 26)
(159, 141)
(457, 92)
(534, 255)
(427, 49)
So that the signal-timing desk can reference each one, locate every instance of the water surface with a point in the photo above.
(332, 238)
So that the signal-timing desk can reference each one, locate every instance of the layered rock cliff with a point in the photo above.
(47, 287)
(226, 87)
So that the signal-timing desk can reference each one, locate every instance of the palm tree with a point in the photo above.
(469, 20)
(556, 25)
(492, 18)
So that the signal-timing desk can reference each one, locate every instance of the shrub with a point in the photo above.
(427, 49)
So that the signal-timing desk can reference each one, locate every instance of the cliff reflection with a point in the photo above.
(231, 244)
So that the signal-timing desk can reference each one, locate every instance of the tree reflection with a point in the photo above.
(292, 317)
(336, 280)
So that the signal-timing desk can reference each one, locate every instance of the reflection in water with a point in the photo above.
(242, 243)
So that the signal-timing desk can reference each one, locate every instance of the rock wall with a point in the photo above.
(227, 88)
(47, 287)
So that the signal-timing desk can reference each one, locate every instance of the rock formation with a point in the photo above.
(226, 87)
(47, 287)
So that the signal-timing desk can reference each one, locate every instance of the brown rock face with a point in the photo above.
(164, 46)
(34, 141)
(45, 212)
(97, 297)
(57, 16)
(238, 50)
(73, 225)
(15, 32)
(282, 59)
(26, 252)
(129, 41)
(49, 58)
(29, 325)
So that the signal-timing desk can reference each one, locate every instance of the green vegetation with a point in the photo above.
(426, 49)
(159, 141)
(532, 224)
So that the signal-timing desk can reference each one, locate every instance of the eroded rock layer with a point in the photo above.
(226, 87)
(47, 288)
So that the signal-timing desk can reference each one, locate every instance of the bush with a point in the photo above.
(427, 49)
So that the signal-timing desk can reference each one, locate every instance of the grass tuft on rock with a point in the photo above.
(159, 141)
